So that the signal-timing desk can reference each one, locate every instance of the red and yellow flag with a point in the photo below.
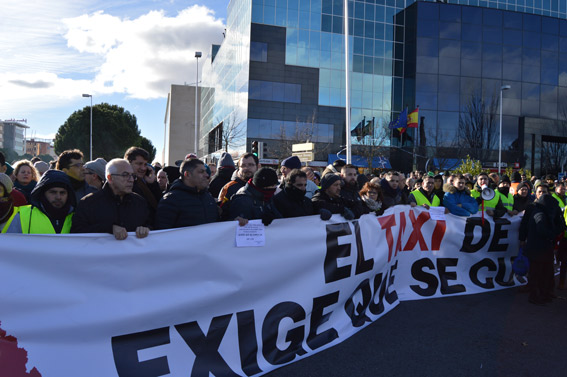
(413, 118)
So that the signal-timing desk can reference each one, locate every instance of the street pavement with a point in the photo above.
(490, 334)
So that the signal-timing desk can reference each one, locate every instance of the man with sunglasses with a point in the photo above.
(71, 163)
(115, 209)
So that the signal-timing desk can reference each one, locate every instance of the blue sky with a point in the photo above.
(123, 52)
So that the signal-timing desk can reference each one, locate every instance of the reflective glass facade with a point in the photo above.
(402, 54)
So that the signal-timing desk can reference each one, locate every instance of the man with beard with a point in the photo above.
(247, 166)
(291, 201)
(349, 191)
(506, 197)
(146, 184)
(51, 209)
(328, 200)
(255, 200)
(391, 190)
(458, 199)
(188, 202)
(114, 209)
(71, 163)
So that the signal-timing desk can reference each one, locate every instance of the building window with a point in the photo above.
(258, 51)
(275, 91)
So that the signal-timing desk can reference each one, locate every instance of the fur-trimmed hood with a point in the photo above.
(452, 190)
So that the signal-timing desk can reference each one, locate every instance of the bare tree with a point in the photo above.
(373, 144)
(300, 132)
(477, 124)
(554, 153)
(231, 133)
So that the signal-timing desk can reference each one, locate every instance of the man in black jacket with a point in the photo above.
(146, 184)
(188, 202)
(115, 209)
(255, 199)
(328, 200)
(349, 192)
(291, 201)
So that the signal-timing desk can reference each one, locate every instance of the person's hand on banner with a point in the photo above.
(119, 232)
(142, 232)
(267, 219)
(241, 221)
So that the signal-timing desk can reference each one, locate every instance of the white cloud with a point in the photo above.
(55, 53)
(144, 56)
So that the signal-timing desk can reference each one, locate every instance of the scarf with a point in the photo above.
(25, 189)
(268, 194)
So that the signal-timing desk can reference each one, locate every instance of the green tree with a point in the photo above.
(469, 165)
(114, 131)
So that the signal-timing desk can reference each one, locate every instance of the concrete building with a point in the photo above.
(13, 135)
(179, 123)
(36, 147)
(280, 74)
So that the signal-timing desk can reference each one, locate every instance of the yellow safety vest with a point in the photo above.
(508, 201)
(562, 204)
(36, 222)
(421, 199)
(490, 204)
(16, 209)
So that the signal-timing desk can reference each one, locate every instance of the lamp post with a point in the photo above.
(91, 130)
(347, 87)
(502, 88)
(197, 56)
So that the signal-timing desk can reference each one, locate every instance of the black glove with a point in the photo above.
(267, 218)
(347, 214)
(325, 214)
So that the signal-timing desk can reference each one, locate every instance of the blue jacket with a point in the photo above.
(453, 197)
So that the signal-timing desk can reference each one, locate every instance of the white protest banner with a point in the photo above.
(189, 302)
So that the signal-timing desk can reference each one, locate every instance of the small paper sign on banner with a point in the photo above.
(437, 213)
(251, 234)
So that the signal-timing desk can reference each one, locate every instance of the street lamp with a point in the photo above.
(502, 88)
(197, 56)
(91, 131)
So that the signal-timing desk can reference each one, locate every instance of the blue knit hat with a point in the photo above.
(292, 162)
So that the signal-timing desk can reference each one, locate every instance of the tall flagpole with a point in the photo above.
(347, 88)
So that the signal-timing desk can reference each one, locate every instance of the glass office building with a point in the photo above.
(278, 77)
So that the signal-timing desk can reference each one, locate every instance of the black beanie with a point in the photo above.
(265, 177)
(328, 180)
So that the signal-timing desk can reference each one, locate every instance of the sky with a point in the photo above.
(123, 52)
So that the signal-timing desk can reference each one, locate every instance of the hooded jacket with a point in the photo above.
(544, 225)
(185, 206)
(391, 197)
(35, 215)
(452, 199)
(221, 178)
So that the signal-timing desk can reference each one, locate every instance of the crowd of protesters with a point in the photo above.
(131, 195)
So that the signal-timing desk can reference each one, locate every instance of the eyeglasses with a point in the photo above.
(125, 175)
(89, 173)
(77, 165)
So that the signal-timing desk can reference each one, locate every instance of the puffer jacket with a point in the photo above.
(99, 211)
(249, 203)
(452, 199)
(544, 225)
(185, 206)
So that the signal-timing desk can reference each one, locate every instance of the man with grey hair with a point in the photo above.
(115, 209)
(95, 172)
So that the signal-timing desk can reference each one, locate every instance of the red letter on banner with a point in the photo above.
(387, 222)
(416, 235)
